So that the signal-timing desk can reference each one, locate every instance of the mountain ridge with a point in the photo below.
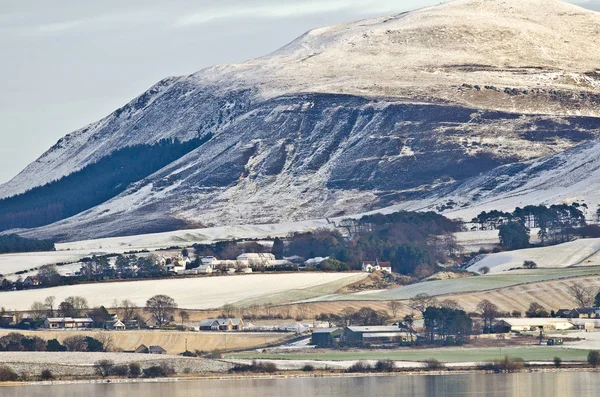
(350, 118)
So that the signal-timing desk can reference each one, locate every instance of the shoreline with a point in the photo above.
(292, 375)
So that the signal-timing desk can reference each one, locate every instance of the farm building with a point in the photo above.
(116, 325)
(156, 350)
(326, 337)
(374, 334)
(221, 324)
(533, 324)
(68, 322)
(371, 266)
(142, 349)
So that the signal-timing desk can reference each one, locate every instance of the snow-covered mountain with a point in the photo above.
(350, 118)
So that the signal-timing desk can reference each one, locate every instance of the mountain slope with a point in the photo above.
(349, 118)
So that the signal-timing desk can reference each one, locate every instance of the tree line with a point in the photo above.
(92, 185)
(12, 243)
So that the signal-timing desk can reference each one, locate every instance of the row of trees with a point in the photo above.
(11, 243)
(557, 223)
(76, 343)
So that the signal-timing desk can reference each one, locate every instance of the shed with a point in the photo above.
(356, 334)
(155, 349)
(142, 349)
(325, 337)
(533, 324)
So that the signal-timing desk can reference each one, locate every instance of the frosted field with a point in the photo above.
(189, 237)
(470, 284)
(558, 256)
(11, 263)
(190, 293)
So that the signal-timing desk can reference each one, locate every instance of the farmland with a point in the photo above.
(470, 284)
(172, 341)
(453, 355)
(192, 293)
(578, 252)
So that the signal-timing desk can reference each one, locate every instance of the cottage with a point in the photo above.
(68, 322)
(156, 350)
(115, 325)
(31, 281)
(326, 337)
(371, 266)
(533, 324)
(567, 313)
(588, 312)
(142, 349)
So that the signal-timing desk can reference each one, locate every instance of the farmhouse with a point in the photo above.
(533, 324)
(374, 334)
(31, 282)
(371, 266)
(115, 325)
(68, 322)
(326, 337)
(221, 324)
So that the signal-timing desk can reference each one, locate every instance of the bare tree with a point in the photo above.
(228, 310)
(302, 312)
(268, 310)
(489, 312)
(395, 307)
(127, 309)
(451, 304)
(582, 295)
(184, 316)
(107, 341)
(50, 301)
(38, 310)
(422, 301)
(161, 307)
(78, 304)
(286, 311)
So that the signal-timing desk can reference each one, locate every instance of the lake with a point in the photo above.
(563, 384)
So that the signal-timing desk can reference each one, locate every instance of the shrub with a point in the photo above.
(54, 345)
(557, 362)
(308, 368)
(359, 366)
(104, 367)
(7, 374)
(255, 367)
(508, 364)
(135, 370)
(593, 358)
(154, 371)
(217, 354)
(484, 270)
(432, 363)
(384, 366)
(167, 369)
(46, 375)
(188, 353)
(120, 370)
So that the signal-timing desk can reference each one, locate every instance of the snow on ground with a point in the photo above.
(189, 293)
(558, 256)
(12, 263)
(189, 237)
(473, 241)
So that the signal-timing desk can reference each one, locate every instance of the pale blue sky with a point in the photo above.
(67, 63)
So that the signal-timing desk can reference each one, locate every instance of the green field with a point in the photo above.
(454, 355)
(470, 284)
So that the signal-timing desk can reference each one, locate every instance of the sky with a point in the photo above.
(67, 63)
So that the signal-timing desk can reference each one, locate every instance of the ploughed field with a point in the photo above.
(174, 342)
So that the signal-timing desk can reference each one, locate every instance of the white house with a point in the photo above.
(371, 266)
(264, 259)
(208, 260)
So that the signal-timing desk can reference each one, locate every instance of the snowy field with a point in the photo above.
(12, 263)
(465, 285)
(558, 256)
(189, 237)
(189, 293)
